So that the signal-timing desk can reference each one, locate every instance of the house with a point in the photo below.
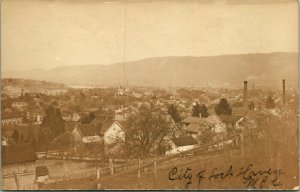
(35, 115)
(230, 121)
(18, 167)
(217, 125)
(88, 133)
(71, 117)
(191, 119)
(19, 104)
(137, 95)
(194, 126)
(42, 173)
(13, 118)
(4, 141)
(107, 131)
(112, 131)
(70, 125)
(181, 144)
(121, 116)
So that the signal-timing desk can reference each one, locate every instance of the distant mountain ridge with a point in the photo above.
(265, 69)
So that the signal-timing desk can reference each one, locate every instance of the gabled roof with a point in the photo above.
(16, 154)
(229, 118)
(193, 128)
(89, 129)
(184, 141)
(197, 120)
(70, 125)
(108, 123)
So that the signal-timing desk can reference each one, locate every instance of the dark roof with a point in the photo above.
(106, 125)
(229, 118)
(41, 171)
(197, 120)
(16, 154)
(194, 128)
(70, 125)
(97, 121)
(184, 141)
(12, 115)
(90, 129)
(27, 131)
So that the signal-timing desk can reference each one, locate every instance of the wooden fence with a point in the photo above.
(118, 166)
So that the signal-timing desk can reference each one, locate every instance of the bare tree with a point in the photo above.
(146, 131)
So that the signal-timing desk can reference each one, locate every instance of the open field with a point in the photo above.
(287, 178)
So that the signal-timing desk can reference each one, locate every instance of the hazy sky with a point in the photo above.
(49, 33)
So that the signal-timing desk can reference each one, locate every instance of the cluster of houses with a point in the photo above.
(21, 120)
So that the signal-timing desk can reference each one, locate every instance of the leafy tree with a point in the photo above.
(204, 111)
(172, 110)
(223, 107)
(45, 138)
(146, 131)
(270, 103)
(63, 141)
(251, 105)
(88, 119)
(196, 110)
(54, 122)
(200, 109)
(15, 136)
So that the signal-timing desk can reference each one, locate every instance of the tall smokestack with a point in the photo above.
(283, 91)
(245, 94)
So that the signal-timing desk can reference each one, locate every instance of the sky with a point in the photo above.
(51, 33)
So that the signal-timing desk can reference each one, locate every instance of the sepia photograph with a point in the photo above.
(149, 95)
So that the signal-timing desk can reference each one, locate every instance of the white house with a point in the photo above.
(107, 132)
(19, 104)
(71, 117)
(87, 133)
(112, 131)
(181, 144)
(12, 119)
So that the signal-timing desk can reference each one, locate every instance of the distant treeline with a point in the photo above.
(30, 84)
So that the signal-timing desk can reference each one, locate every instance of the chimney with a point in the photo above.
(283, 91)
(245, 94)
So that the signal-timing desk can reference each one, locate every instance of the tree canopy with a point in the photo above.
(146, 131)
(200, 109)
(54, 122)
(172, 110)
(223, 107)
(63, 141)
(270, 103)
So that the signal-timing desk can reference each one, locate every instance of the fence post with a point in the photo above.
(16, 178)
(155, 173)
(139, 171)
(98, 178)
(111, 166)
(242, 143)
